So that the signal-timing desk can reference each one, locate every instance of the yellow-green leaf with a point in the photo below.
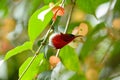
(32, 70)
(38, 21)
(26, 46)
(70, 59)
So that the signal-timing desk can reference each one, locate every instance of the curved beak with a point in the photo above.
(79, 36)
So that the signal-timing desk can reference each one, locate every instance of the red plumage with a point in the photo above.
(59, 40)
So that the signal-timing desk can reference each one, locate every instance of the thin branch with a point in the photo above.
(58, 51)
(69, 18)
(63, 1)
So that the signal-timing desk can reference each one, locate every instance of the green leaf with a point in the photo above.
(70, 59)
(117, 8)
(33, 69)
(44, 66)
(3, 3)
(114, 58)
(4, 7)
(89, 6)
(26, 46)
(68, 1)
(38, 21)
(78, 76)
(93, 39)
(48, 1)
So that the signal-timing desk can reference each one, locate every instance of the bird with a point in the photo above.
(59, 40)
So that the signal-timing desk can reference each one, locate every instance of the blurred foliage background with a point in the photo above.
(99, 51)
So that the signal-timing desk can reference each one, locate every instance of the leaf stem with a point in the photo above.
(69, 18)
(58, 51)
